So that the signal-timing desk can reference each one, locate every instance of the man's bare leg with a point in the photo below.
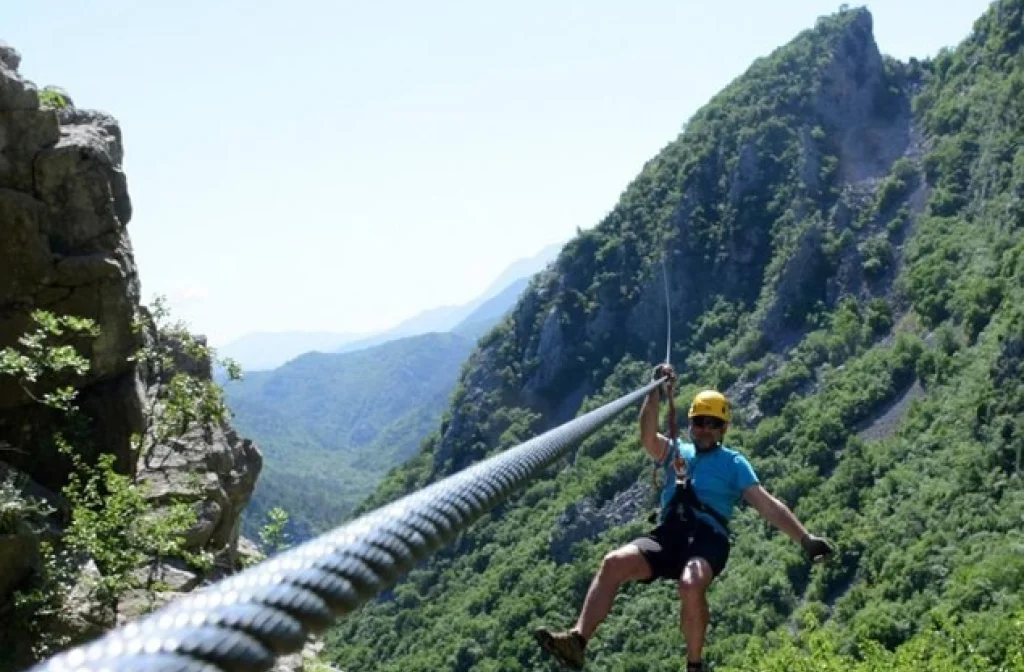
(569, 647)
(693, 586)
(621, 565)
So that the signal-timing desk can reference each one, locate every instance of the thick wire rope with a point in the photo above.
(244, 622)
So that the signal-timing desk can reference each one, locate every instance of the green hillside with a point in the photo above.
(843, 235)
(331, 425)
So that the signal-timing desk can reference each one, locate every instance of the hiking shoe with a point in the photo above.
(694, 667)
(567, 647)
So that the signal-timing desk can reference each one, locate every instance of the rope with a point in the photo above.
(673, 428)
(244, 622)
(668, 313)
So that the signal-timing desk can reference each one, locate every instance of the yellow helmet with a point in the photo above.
(710, 402)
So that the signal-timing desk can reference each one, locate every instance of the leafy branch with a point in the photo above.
(43, 357)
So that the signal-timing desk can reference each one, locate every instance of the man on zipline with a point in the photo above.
(703, 482)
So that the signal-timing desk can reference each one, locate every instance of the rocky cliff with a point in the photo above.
(65, 249)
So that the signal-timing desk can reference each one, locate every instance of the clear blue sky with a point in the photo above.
(340, 165)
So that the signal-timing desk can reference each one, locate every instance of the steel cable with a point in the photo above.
(244, 622)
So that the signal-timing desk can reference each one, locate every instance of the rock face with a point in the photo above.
(17, 552)
(855, 102)
(64, 247)
(584, 520)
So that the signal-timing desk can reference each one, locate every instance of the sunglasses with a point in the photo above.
(707, 422)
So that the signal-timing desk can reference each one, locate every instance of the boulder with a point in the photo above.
(213, 469)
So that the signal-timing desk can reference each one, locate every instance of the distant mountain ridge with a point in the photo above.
(263, 351)
(499, 297)
(477, 323)
(332, 423)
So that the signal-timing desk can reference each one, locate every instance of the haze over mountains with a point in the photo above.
(261, 351)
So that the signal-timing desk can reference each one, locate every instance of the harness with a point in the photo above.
(681, 511)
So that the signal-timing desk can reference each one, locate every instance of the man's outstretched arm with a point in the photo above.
(778, 514)
(653, 442)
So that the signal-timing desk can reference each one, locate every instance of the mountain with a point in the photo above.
(263, 350)
(521, 269)
(330, 425)
(490, 312)
(499, 296)
(438, 319)
(845, 243)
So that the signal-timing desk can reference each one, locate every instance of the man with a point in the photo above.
(704, 481)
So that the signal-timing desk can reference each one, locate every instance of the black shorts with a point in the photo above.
(667, 553)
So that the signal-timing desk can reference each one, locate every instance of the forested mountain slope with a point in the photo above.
(843, 238)
(332, 424)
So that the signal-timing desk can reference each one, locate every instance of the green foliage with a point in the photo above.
(110, 519)
(934, 260)
(38, 607)
(113, 523)
(52, 99)
(273, 535)
(946, 645)
(877, 255)
(46, 355)
(902, 178)
(186, 400)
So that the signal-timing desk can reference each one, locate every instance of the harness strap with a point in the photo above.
(690, 499)
(685, 494)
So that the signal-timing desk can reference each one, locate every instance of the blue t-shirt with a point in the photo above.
(719, 478)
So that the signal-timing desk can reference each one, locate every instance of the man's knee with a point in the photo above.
(625, 564)
(697, 576)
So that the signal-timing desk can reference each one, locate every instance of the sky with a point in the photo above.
(340, 166)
